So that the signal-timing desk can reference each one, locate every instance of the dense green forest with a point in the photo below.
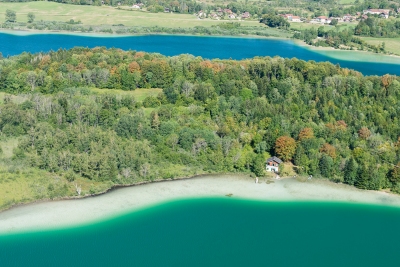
(376, 27)
(211, 116)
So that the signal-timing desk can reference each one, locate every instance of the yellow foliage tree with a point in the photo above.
(306, 133)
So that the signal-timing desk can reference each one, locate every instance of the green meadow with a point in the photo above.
(93, 15)
(391, 44)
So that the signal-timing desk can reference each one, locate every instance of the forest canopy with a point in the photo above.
(210, 116)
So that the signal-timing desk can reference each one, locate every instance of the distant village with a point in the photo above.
(228, 14)
(383, 13)
(222, 14)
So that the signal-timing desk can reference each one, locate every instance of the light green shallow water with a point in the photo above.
(220, 232)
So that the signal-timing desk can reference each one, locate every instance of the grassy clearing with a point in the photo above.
(8, 145)
(392, 44)
(139, 94)
(346, 2)
(303, 26)
(16, 99)
(18, 183)
(93, 15)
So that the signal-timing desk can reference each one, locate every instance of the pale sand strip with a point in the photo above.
(63, 213)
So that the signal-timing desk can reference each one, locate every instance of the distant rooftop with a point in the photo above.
(276, 159)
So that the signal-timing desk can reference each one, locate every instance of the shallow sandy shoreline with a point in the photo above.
(350, 55)
(55, 214)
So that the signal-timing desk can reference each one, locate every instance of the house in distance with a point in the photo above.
(272, 164)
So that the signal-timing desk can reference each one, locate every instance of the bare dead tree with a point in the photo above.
(31, 79)
(144, 169)
(78, 189)
(126, 172)
(198, 145)
(187, 88)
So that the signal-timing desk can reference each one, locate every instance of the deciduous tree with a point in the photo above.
(11, 16)
(285, 147)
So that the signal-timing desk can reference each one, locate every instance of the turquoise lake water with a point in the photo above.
(206, 47)
(220, 232)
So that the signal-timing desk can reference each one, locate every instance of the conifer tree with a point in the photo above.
(362, 177)
(350, 171)
(326, 166)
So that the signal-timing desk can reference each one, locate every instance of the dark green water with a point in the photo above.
(220, 232)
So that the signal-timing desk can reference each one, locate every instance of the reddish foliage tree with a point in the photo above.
(329, 150)
(134, 66)
(364, 133)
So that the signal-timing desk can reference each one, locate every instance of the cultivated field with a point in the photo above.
(93, 15)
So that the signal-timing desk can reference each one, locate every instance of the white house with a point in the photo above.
(232, 16)
(322, 19)
(295, 19)
(382, 12)
(272, 164)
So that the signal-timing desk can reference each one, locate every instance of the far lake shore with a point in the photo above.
(67, 213)
(346, 55)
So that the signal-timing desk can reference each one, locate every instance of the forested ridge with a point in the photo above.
(211, 116)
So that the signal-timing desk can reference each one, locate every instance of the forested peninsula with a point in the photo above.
(75, 122)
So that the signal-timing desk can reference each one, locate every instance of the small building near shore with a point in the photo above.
(272, 164)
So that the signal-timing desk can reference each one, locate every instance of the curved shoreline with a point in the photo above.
(357, 56)
(67, 213)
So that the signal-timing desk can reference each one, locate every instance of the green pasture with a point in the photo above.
(391, 44)
(94, 15)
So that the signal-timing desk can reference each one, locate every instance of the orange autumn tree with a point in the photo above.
(285, 147)
(133, 66)
(364, 133)
(306, 133)
(329, 150)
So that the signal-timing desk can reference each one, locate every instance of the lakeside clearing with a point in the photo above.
(350, 55)
(56, 214)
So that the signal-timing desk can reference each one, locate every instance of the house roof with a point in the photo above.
(276, 159)
(385, 11)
